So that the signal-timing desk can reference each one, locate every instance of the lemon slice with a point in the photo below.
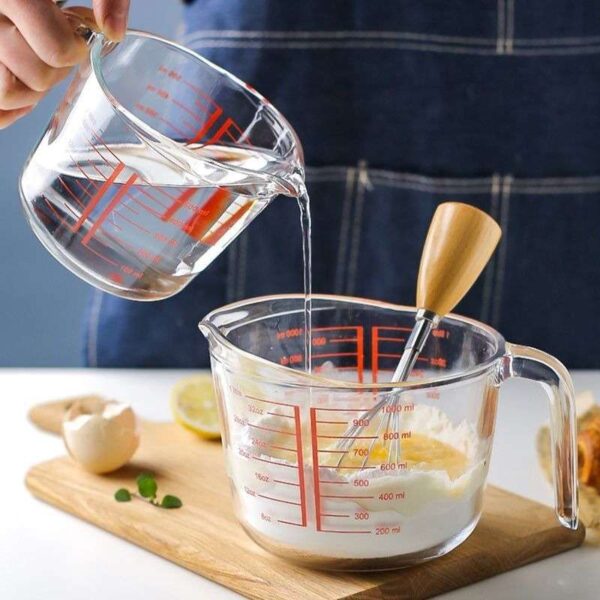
(194, 406)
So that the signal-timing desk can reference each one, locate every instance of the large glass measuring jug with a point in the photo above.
(154, 161)
(410, 487)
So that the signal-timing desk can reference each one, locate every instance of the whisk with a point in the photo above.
(460, 242)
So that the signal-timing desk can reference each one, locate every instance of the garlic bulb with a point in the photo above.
(101, 436)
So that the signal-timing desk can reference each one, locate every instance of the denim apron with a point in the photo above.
(401, 106)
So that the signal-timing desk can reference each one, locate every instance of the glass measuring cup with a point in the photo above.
(154, 162)
(411, 488)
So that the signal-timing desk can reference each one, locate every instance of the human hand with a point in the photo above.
(38, 47)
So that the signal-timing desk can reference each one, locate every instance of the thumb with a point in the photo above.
(112, 17)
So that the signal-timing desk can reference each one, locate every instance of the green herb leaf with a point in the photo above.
(171, 502)
(147, 486)
(122, 495)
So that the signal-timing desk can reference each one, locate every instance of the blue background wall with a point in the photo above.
(41, 303)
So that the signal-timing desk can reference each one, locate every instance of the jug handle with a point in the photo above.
(553, 376)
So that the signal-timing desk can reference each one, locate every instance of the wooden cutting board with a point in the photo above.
(204, 536)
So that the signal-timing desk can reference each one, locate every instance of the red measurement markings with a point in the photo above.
(374, 353)
(315, 459)
(376, 338)
(358, 339)
(102, 257)
(339, 328)
(299, 452)
(205, 217)
(174, 127)
(180, 201)
(154, 114)
(99, 138)
(184, 108)
(109, 208)
(208, 214)
(145, 206)
(280, 447)
(438, 362)
(118, 241)
(137, 225)
(278, 500)
(354, 468)
(214, 111)
(61, 219)
(340, 531)
(97, 197)
(87, 178)
(272, 462)
(208, 125)
(69, 191)
(271, 429)
(97, 151)
(218, 233)
(249, 397)
(147, 194)
(332, 354)
(278, 415)
(345, 409)
(85, 190)
(335, 482)
(350, 497)
(286, 482)
(360, 346)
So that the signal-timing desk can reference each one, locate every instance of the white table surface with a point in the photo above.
(47, 554)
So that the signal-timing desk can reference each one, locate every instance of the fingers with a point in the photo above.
(19, 58)
(14, 94)
(47, 31)
(112, 17)
(8, 117)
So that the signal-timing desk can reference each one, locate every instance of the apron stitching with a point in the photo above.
(362, 184)
(344, 229)
(503, 250)
(552, 191)
(242, 264)
(429, 180)
(510, 26)
(358, 44)
(504, 44)
(557, 51)
(433, 188)
(560, 41)
(489, 271)
(231, 272)
(92, 345)
(383, 45)
(398, 35)
(248, 34)
(540, 185)
(500, 17)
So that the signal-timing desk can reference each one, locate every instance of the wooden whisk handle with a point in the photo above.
(460, 241)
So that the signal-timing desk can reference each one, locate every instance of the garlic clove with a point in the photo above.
(100, 435)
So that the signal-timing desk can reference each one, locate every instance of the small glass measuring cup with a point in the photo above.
(153, 163)
(411, 488)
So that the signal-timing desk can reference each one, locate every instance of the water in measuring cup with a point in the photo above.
(145, 223)
(145, 226)
(305, 225)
